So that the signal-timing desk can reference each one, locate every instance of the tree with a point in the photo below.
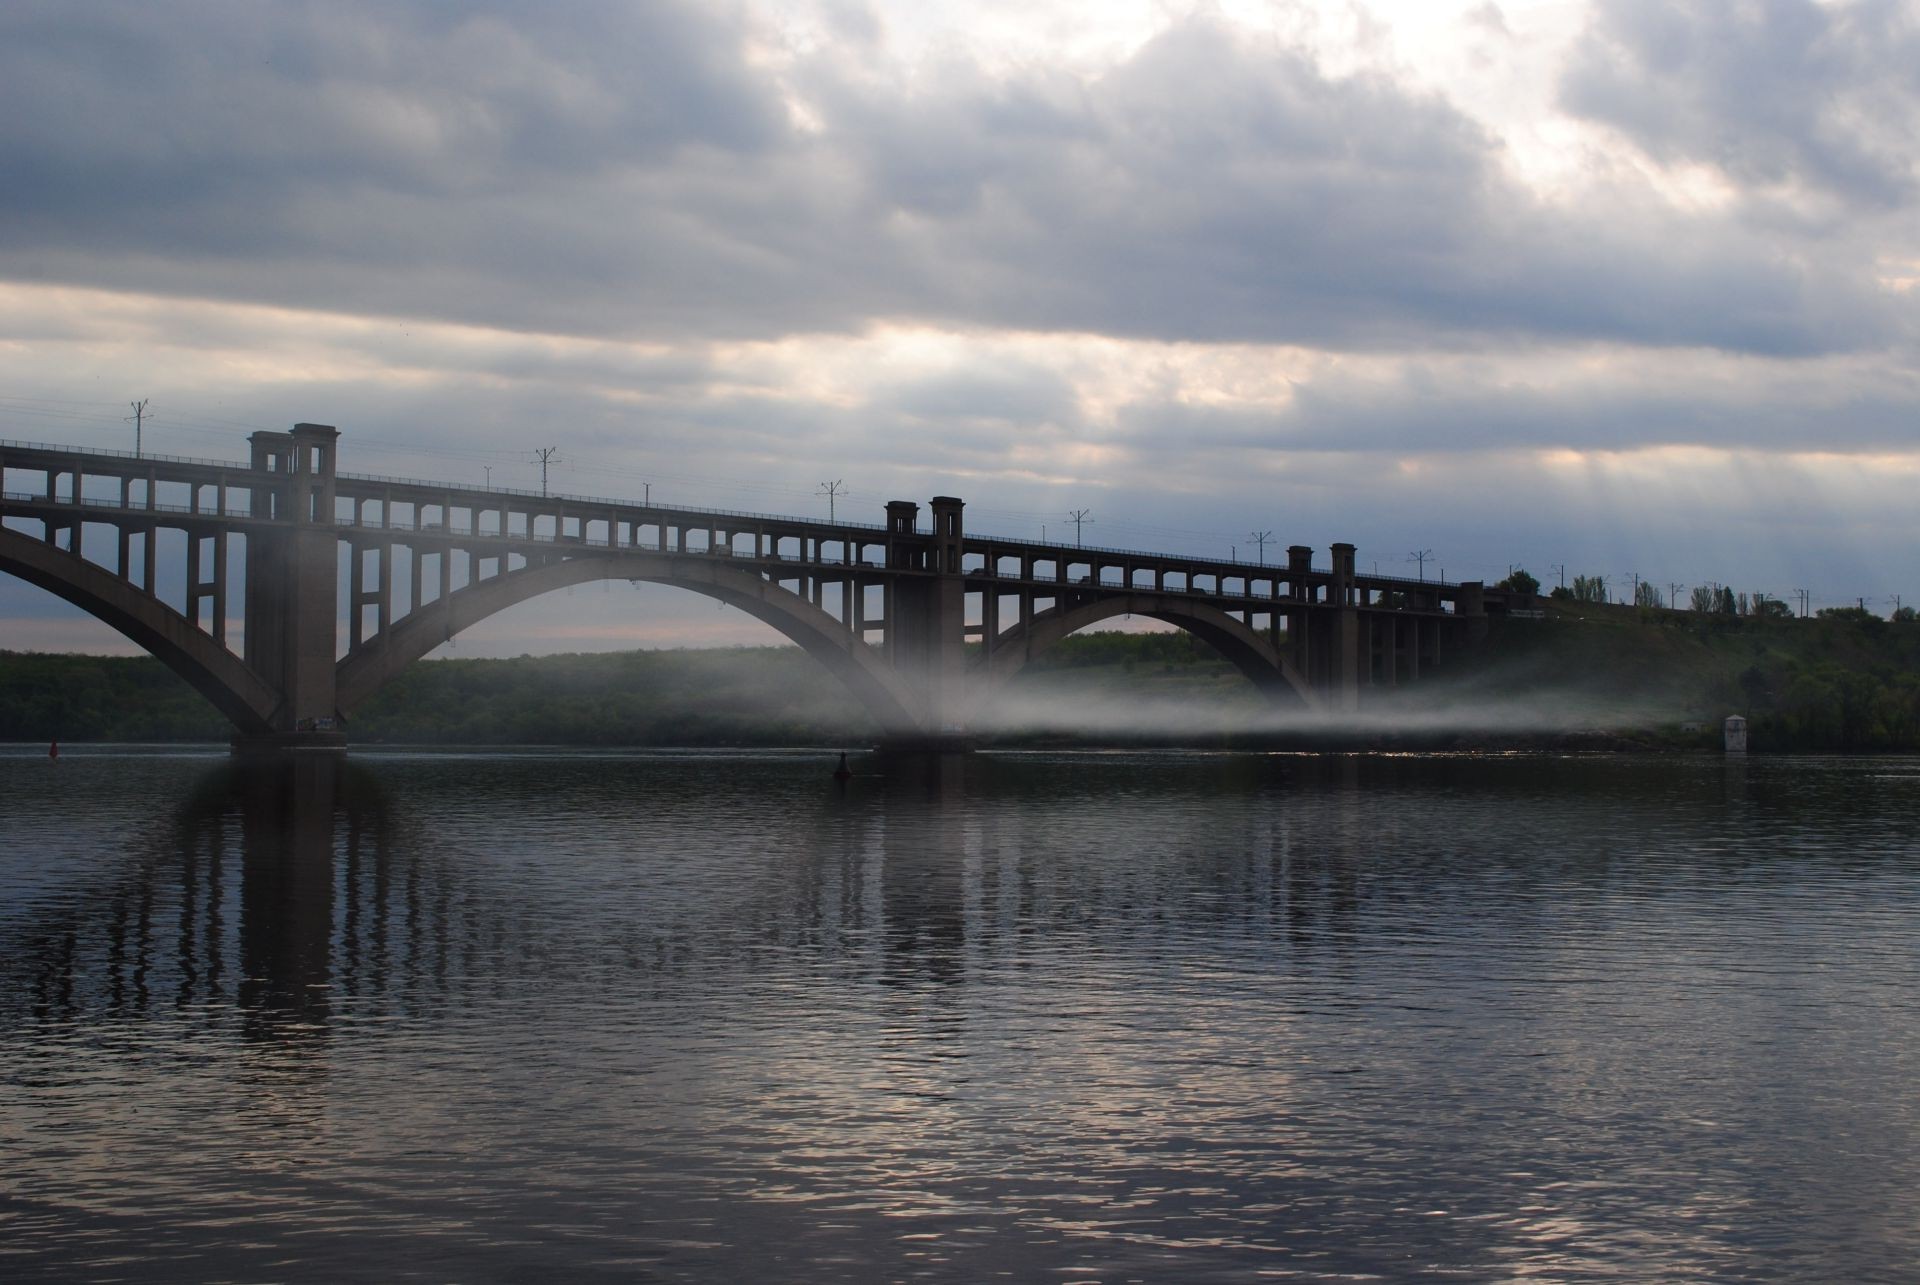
(1645, 595)
(1772, 609)
(1726, 605)
(1589, 588)
(1518, 581)
(1705, 598)
(1906, 615)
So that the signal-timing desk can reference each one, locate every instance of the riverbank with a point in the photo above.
(1582, 677)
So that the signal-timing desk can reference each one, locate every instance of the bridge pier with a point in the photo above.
(293, 588)
(926, 617)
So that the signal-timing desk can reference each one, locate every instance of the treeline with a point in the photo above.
(101, 698)
(1847, 681)
(1855, 689)
(731, 696)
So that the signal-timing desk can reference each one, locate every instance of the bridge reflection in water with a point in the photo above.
(289, 891)
(1163, 1016)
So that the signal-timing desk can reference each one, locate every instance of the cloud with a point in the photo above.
(1773, 93)
(645, 171)
(1191, 276)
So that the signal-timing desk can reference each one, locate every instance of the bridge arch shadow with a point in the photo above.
(864, 671)
(1247, 650)
(203, 661)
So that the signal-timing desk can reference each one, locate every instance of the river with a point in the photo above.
(1028, 1016)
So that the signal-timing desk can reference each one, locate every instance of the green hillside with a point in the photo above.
(1843, 683)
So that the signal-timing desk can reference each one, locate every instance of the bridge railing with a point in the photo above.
(1058, 551)
(6, 444)
(97, 502)
(722, 550)
(605, 501)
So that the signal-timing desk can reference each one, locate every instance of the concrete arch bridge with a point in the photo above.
(338, 581)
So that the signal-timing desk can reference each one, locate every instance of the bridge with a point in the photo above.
(338, 581)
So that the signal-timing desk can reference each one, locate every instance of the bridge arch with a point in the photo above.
(873, 682)
(1246, 649)
(206, 664)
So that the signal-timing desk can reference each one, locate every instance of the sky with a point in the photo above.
(1624, 288)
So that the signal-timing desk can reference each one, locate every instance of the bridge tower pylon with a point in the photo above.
(926, 611)
(293, 580)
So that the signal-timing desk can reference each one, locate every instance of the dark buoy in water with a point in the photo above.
(53, 751)
(843, 772)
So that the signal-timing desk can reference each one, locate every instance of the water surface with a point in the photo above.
(1060, 1017)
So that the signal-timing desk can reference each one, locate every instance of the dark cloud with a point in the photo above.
(635, 170)
(1825, 96)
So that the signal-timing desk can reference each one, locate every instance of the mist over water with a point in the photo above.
(697, 1016)
(1509, 700)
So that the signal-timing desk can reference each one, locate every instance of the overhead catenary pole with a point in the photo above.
(546, 455)
(1260, 538)
(1420, 556)
(1561, 568)
(139, 418)
(832, 490)
(1079, 518)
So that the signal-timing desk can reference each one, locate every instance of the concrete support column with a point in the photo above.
(1299, 567)
(1346, 656)
(293, 581)
(220, 583)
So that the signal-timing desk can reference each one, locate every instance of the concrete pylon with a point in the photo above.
(293, 582)
(1347, 657)
(926, 621)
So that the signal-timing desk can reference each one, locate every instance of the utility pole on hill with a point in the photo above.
(1560, 567)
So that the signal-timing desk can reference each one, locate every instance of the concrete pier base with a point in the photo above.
(267, 743)
(948, 742)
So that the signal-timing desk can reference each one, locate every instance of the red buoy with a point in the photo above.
(53, 750)
(843, 772)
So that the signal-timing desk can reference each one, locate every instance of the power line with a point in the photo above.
(1260, 538)
(1420, 556)
(1079, 517)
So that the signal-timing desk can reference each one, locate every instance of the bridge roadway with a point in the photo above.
(339, 580)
